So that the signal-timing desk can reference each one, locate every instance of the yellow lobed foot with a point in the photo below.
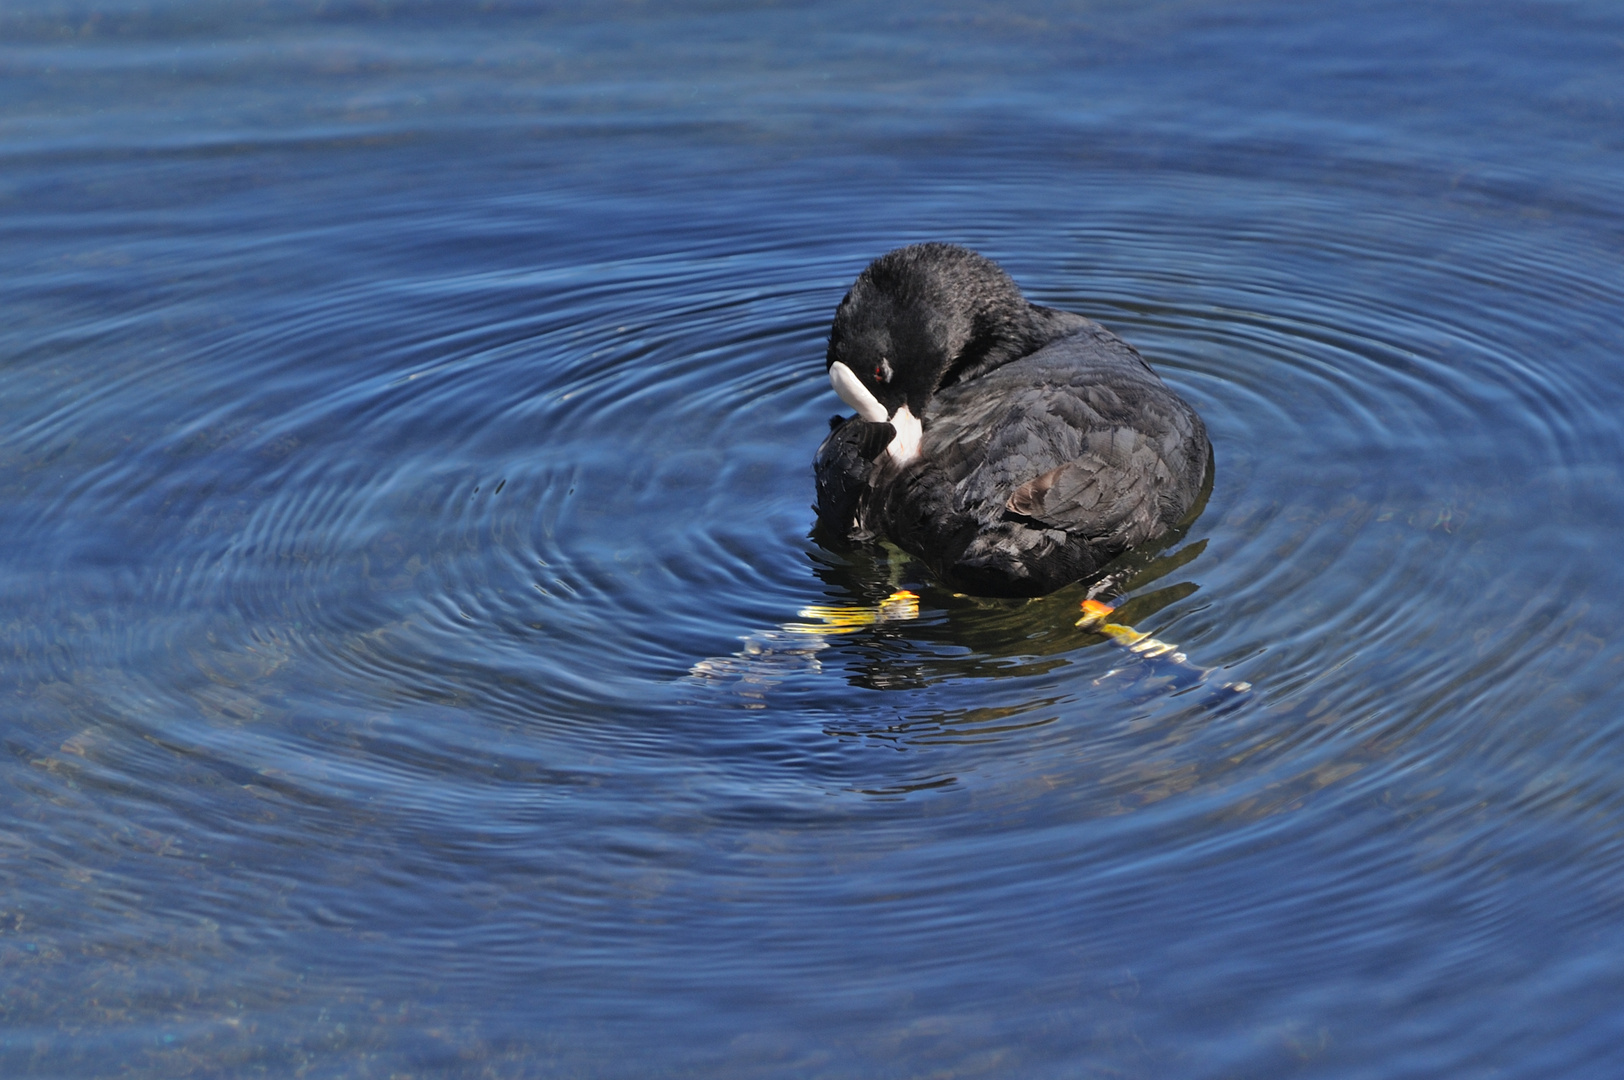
(843, 619)
(1094, 614)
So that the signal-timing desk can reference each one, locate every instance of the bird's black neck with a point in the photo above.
(1013, 335)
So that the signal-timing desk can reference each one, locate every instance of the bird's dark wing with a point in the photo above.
(1107, 494)
(1080, 437)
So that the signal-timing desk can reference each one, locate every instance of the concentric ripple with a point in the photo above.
(442, 572)
(539, 497)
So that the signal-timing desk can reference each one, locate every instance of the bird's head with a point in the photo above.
(913, 322)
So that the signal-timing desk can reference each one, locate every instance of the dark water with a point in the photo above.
(404, 464)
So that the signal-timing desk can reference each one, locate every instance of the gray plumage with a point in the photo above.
(1049, 445)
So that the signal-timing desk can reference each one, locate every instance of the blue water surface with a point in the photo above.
(409, 641)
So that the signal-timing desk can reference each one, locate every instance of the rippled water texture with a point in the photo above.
(405, 472)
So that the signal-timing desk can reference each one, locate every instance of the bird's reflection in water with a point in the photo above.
(898, 631)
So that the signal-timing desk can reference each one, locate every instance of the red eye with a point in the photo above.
(879, 374)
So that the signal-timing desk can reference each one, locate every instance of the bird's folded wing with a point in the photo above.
(1107, 494)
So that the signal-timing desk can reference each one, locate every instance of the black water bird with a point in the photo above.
(1013, 448)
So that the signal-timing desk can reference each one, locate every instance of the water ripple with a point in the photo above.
(495, 564)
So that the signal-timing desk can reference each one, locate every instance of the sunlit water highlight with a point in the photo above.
(405, 453)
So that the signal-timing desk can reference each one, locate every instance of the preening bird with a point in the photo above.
(1013, 448)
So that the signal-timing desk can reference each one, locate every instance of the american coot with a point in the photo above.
(1012, 447)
